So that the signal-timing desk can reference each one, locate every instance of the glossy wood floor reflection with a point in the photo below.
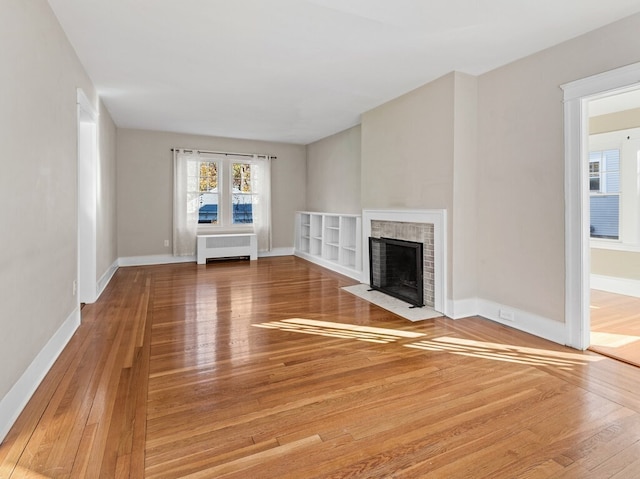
(268, 369)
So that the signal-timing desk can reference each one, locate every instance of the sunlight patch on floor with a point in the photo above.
(340, 330)
(611, 340)
(448, 344)
(504, 352)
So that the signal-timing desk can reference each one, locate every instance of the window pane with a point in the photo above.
(611, 171)
(242, 197)
(605, 216)
(594, 175)
(604, 183)
(208, 193)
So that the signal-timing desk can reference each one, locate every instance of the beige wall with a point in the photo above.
(333, 173)
(38, 134)
(404, 142)
(620, 120)
(521, 222)
(106, 222)
(465, 165)
(145, 186)
(617, 264)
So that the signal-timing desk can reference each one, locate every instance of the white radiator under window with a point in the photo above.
(226, 246)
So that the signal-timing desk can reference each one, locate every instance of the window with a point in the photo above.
(208, 192)
(604, 185)
(614, 183)
(220, 193)
(242, 193)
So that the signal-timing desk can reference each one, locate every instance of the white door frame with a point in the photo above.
(577, 251)
(87, 199)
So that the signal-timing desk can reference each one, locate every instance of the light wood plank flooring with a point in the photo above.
(267, 369)
(615, 326)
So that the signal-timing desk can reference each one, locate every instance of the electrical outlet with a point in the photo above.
(166, 243)
(75, 286)
(506, 315)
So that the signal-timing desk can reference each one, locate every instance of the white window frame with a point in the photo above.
(225, 196)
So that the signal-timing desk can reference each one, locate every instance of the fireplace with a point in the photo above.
(395, 268)
(423, 226)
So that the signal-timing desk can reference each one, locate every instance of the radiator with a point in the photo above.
(226, 246)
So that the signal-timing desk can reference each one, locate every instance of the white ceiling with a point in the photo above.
(299, 70)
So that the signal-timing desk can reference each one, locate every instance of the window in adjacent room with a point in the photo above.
(604, 185)
(614, 184)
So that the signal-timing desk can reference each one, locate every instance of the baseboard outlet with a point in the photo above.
(106, 278)
(18, 396)
(523, 320)
(626, 286)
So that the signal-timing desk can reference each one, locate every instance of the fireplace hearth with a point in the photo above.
(396, 268)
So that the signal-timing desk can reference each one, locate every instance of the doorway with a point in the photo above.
(87, 199)
(577, 94)
(613, 156)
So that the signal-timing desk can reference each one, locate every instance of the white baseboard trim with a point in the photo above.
(168, 259)
(332, 265)
(524, 321)
(154, 259)
(105, 278)
(18, 396)
(628, 287)
(276, 252)
(461, 308)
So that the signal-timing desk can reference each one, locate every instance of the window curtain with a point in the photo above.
(261, 200)
(185, 202)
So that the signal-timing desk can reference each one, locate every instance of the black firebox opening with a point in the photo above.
(395, 268)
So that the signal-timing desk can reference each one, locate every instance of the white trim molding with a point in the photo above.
(462, 308)
(106, 278)
(149, 260)
(276, 252)
(626, 286)
(522, 320)
(18, 396)
(577, 262)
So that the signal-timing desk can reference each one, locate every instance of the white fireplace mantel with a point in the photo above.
(439, 220)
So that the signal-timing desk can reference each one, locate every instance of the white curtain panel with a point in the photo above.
(261, 171)
(185, 202)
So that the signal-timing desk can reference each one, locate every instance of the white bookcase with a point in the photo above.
(331, 240)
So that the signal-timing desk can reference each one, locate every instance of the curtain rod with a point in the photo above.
(225, 153)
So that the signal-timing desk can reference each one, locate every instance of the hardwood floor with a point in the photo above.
(615, 326)
(268, 370)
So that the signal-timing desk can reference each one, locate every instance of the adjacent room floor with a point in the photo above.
(615, 326)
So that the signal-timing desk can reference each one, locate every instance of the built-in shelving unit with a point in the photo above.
(331, 240)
